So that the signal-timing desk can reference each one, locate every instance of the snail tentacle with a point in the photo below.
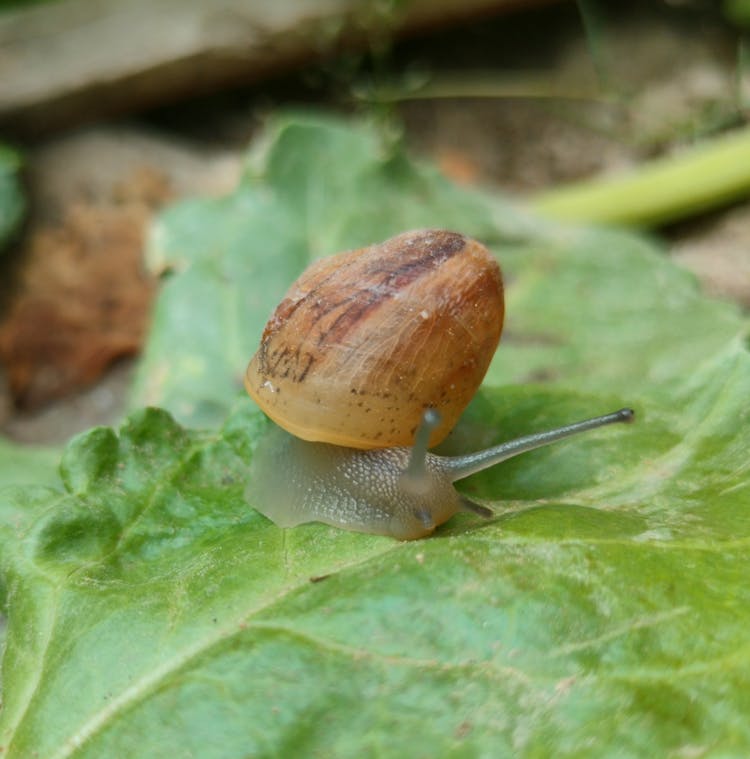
(459, 467)
(415, 478)
(467, 504)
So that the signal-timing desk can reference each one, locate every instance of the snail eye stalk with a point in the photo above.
(415, 477)
(459, 467)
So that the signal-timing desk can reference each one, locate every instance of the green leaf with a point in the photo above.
(737, 12)
(12, 204)
(602, 612)
(24, 464)
(601, 309)
(610, 616)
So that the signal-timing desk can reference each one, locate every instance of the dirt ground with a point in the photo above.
(519, 103)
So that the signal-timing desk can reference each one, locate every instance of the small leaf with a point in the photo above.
(12, 203)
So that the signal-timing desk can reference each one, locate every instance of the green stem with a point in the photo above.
(709, 175)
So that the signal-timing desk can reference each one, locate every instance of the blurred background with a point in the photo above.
(110, 110)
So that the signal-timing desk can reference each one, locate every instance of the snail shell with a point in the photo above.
(365, 341)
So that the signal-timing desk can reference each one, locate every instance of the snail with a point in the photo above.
(366, 363)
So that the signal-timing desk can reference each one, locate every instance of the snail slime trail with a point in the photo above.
(367, 362)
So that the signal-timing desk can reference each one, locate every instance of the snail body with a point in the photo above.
(367, 362)
(402, 492)
(361, 490)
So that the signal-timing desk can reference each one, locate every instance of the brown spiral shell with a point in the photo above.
(365, 340)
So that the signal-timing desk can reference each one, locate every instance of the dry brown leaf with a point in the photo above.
(82, 298)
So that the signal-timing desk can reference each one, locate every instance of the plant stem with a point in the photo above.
(709, 175)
